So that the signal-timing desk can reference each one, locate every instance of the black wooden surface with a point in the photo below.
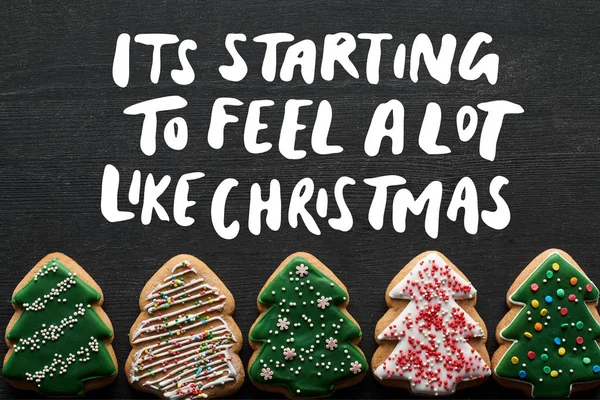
(61, 122)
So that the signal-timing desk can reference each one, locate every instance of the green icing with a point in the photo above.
(551, 373)
(43, 348)
(314, 369)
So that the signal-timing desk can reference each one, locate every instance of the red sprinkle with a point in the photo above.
(531, 355)
(534, 287)
(564, 311)
(572, 297)
(579, 340)
(589, 287)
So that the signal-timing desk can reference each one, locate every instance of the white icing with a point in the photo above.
(400, 290)
(182, 357)
(427, 347)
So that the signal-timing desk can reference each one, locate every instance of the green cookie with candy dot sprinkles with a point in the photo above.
(549, 338)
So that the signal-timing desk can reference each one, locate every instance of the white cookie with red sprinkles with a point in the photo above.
(431, 340)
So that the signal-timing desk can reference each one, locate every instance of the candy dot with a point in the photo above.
(547, 369)
(560, 293)
(543, 312)
(523, 374)
(557, 341)
(589, 287)
(579, 325)
(548, 299)
(579, 340)
(573, 281)
(531, 355)
(555, 266)
(572, 297)
(535, 303)
(534, 287)
(514, 360)
(564, 311)
(586, 360)
(538, 326)
(528, 335)
(564, 326)
(554, 374)
(595, 368)
(544, 357)
(549, 274)
(561, 351)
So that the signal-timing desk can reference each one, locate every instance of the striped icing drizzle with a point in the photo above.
(186, 340)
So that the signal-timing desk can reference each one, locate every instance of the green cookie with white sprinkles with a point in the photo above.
(305, 342)
(59, 337)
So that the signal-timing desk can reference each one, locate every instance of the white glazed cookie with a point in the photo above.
(432, 341)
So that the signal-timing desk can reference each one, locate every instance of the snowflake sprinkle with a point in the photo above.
(301, 270)
(323, 302)
(331, 344)
(289, 354)
(283, 324)
(355, 367)
(267, 374)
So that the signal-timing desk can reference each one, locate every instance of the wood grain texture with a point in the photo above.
(61, 122)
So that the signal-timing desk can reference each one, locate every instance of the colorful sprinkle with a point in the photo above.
(537, 326)
(586, 360)
(579, 325)
(555, 266)
(544, 357)
(514, 360)
(548, 299)
(557, 341)
(554, 374)
(561, 351)
(534, 287)
(547, 369)
(543, 312)
(560, 293)
(531, 355)
(528, 335)
(535, 303)
(589, 287)
(549, 274)
(573, 281)
(523, 374)
(564, 311)
(579, 340)
(595, 368)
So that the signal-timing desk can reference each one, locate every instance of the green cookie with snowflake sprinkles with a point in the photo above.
(59, 338)
(305, 342)
(549, 338)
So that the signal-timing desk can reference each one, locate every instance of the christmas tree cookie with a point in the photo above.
(548, 339)
(185, 343)
(59, 338)
(431, 340)
(304, 341)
